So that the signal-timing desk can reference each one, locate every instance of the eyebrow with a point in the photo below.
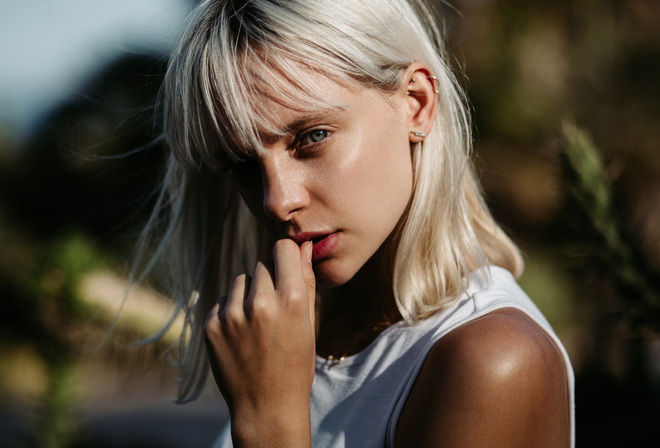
(293, 127)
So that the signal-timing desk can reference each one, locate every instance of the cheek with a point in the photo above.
(387, 171)
(374, 184)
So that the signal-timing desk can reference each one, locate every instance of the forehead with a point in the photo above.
(260, 95)
(273, 98)
(285, 113)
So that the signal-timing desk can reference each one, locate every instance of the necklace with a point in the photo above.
(331, 361)
(359, 342)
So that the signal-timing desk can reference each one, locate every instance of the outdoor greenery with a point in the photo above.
(566, 106)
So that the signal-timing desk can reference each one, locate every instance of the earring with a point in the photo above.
(418, 134)
(409, 92)
(433, 80)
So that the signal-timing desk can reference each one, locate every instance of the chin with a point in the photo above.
(331, 274)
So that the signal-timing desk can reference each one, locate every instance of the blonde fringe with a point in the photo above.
(211, 113)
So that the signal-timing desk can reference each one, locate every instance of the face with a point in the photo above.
(341, 177)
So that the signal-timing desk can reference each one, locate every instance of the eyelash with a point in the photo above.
(305, 142)
(236, 168)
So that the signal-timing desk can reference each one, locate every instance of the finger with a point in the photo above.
(219, 306)
(288, 267)
(233, 309)
(214, 313)
(264, 275)
(309, 277)
(261, 286)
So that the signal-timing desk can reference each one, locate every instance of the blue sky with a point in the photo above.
(49, 47)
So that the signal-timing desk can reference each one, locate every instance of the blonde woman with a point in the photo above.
(341, 274)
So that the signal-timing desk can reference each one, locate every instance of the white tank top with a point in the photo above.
(357, 403)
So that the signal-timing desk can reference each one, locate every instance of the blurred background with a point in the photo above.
(566, 103)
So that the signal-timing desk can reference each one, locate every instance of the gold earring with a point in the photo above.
(409, 92)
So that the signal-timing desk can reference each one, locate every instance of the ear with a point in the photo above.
(421, 90)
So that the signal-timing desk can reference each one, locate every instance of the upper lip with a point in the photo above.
(306, 236)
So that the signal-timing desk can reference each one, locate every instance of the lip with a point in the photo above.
(323, 243)
(325, 246)
(308, 236)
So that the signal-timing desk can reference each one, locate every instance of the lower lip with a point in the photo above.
(323, 248)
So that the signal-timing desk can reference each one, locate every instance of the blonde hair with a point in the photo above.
(233, 55)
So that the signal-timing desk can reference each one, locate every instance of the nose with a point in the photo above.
(284, 187)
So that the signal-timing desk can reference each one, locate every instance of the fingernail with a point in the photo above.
(309, 251)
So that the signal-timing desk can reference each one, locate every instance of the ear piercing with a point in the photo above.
(433, 79)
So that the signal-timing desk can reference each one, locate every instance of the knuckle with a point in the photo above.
(211, 324)
(262, 308)
(297, 300)
(231, 316)
(284, 245)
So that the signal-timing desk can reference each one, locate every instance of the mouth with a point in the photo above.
(323, 243)
(314, 237)
(324, 246)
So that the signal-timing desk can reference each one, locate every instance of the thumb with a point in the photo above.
(310, 278)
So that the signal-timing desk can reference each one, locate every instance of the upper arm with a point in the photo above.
(499, 380)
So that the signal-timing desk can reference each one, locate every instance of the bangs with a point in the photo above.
(242, 99)
(217, 95)
(240, 57)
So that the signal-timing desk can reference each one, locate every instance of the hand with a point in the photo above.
(261, 345)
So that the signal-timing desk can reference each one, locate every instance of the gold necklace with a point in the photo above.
(363, 341)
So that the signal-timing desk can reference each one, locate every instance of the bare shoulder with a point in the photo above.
(499, 380)
(496, 348)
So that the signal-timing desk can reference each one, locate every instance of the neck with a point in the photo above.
(352, 315)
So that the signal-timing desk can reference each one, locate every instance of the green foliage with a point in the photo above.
(55, 275)
(43, 309)
(57, 425)
(550, 286)
(59, 268)
(592, 190)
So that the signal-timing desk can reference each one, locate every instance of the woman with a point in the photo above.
(386, 313)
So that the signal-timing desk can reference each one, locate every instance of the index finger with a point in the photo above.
(288, 267)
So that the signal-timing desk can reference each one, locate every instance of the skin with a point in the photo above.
(498, 381)
(355, 182)
(261, 347)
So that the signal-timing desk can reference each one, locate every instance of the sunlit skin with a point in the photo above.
(330, 193)
(340, 177)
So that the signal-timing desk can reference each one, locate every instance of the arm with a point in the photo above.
(498, 381)
(260, 342)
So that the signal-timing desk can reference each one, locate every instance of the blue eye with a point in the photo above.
(318, 135)
(314, 136)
